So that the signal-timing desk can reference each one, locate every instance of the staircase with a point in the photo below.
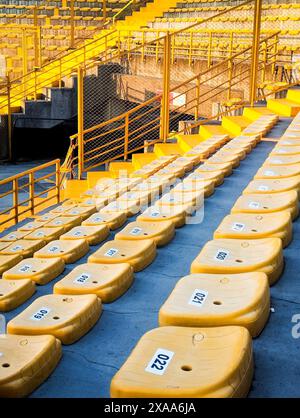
(289, 106)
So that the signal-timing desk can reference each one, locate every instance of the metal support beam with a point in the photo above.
(255, 50)
(80, 123)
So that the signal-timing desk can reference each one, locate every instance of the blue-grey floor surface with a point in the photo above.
(87, 366)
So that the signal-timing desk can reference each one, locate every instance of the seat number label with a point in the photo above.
(237, 226)
(53, 249)
(77, 233)
(263, 188)
(254, 205)
(83, 278)
(40, 314)
(269, 173)
(160, 361)
(155, 214)
(198, 297)
(111, 252)
(136, 231)
(25, 268)
(221, 255)
(98, 219)
(16, 248)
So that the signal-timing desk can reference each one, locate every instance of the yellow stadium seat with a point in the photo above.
(66, 222)
(122, 206)
(23, 247)
(265, 186)
(112, 220)
(281, 150)
(83, 211)
(14, 293)
(283, 160)
(26, 362)
(119, 251)
(107, 281)
(278, 171)
(182, 199)
(8, 261)
(268, 203)
(66, 317)
(253, 226)
(92, 234)
(60, 210)
(289, 142)
(39, 270)
(241, 256)
(182, 362)
(224, 157)
(69, 250)
(176, 214)
(140, 198)
(210, 300)
(187, 188)
(46, 234)
(207, 167)
(14, 236)
(161, 232)
(31, 226)
(217, 177)
(47, 217)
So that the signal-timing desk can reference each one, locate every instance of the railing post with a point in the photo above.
(197, 99)
(24, 52)
(9, 121)
(57, 180)
(72, 23)
(16, 200)
(104, 11)
(126, 136)
(31, 192)
(255, 50)
(80, 126)
(165, 106)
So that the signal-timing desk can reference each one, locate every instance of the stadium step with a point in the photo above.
(283, 107)
(168, 149)
(14, 293)
(26, 362)
(65, 317)
(268, 203)
(141, 159)
(121, 251)
(187, 142)
(253, 113)
(254, 226)
(107, 281)
(179, 362)
(161, 232)
(40, 271)
(68, 250)
(210, 300)
(235, 124)
(207, 131)
(241, 256)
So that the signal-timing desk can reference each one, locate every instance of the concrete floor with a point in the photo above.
(88, 366)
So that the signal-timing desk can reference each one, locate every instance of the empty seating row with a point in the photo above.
(75, 305)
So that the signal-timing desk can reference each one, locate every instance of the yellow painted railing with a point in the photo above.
(21, 195)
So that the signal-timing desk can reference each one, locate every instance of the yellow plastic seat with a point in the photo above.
(281, 150)
(83, 211)
(216, 177)
(66, 222)
(161, 232)
(46, 234)
(107, 281)
(171, 169)
(47, 217)
(65, 317)
(112, 220)
(218, 166)
(277, 172)
(23, 247)
(8, 261)
(60, 210)
(69, 250)
(31, 226)
(182, 362)
(202, 187)
(39, 270)
(268, 203)
(176, 214)
(139, 198)
(221, 157)
(265, 186)
(221, 256)
(282, 160)
(26, 363)
(210, 300)
(180, 198)
(14, 236)
(254, 226)
(119, 251)
(289, 142)
(130, 208)
(92, 234)
(14, 293)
